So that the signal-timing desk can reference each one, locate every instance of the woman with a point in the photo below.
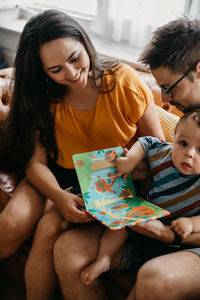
(68, 100)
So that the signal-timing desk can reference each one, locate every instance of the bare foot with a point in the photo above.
(89, 274)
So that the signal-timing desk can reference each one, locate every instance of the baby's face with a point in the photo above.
(186, 147)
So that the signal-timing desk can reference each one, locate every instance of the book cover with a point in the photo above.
(115, 204)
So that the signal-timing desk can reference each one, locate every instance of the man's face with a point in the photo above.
(185, 94)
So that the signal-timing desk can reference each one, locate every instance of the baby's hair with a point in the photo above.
(193, 114)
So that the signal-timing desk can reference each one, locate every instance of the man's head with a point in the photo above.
(173, 55)
(186, 145)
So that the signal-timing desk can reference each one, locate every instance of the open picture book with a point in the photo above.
(114, 203)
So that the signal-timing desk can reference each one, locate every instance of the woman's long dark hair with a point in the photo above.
(34, 90)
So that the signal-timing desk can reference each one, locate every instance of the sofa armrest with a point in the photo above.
(168, 123)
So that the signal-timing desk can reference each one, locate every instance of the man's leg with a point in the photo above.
(169, 277)
(74, 250)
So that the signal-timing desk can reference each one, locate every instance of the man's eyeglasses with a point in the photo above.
(168, 91)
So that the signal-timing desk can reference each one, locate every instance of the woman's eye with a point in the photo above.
(75, 59)
(183, 143)
(199, 149)
(56, 71)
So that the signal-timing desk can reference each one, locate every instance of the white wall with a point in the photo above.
(12, 21)
(9, 34)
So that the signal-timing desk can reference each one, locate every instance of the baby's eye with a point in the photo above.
(183, 143)
(199, 149)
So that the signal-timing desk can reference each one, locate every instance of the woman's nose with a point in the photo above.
(70, 72)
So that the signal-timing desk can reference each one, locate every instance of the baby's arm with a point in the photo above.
(183, 226)
(125, 165)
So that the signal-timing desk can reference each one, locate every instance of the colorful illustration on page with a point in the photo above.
(114, 203)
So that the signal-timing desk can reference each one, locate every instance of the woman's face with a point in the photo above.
(66, 61)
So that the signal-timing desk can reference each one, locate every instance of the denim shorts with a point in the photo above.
(138, 249)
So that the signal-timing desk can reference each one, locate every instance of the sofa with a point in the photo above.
(13, 267)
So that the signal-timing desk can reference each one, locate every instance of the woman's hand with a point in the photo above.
(155, 229)
(72, 207)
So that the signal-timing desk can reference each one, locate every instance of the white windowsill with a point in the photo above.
(103, 46)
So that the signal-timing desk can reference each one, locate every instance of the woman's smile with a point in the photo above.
(66, 61)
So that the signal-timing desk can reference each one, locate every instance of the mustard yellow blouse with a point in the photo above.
(110, 123)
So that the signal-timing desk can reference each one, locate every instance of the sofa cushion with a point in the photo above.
(8, 183)
(168, 123)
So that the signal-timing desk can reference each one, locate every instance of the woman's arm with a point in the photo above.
(149, 124)
(40, 176)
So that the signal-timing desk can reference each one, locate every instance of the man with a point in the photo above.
(173, 56)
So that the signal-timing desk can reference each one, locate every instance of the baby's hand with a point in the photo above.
(123, 168)
(183, 226)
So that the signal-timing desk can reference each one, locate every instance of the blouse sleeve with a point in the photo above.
(135, 95)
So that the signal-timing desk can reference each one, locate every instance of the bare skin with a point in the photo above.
(166, 277)
(18, 219)
(112, 241)
(110, 244)
(77, 248)
(42, 274)
(40, 277)
(72, 254)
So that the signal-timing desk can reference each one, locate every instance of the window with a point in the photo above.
(87, 7)
(117, 28)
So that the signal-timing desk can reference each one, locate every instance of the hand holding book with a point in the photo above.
(114, 203)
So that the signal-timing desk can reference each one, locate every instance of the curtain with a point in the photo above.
(194, 10)
(133, 21)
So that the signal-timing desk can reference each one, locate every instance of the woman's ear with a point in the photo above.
(198, 67)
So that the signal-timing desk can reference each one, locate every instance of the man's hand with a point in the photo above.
(155, 229)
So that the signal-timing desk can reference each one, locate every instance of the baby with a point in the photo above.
(176, 173)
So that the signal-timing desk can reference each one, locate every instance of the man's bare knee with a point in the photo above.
(73, 250)
(154, 281)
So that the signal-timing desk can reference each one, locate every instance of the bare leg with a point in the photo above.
(169, 277)
(19, 217)
(110, 243)
(73, 251)
(131, 295)
(40, 276)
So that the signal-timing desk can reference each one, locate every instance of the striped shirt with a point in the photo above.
(172, 190)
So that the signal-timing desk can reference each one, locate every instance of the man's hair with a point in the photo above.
(193, 114)
(175, 45)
